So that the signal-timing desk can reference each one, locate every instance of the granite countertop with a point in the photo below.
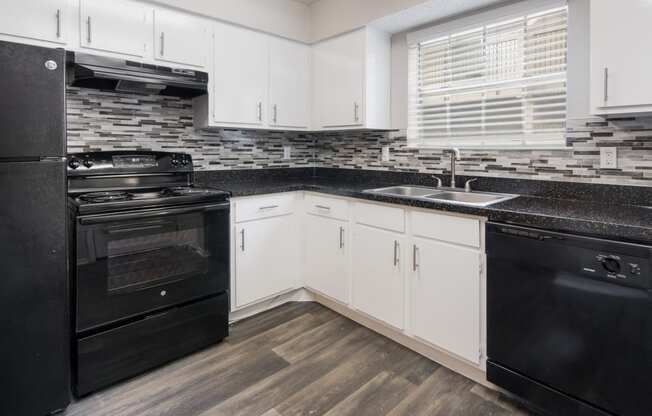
(606, 220)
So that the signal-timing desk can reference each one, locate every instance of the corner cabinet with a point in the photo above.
(39, 20)
(620, 79)
(121, 27)
(351, 81)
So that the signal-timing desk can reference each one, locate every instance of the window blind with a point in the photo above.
(498, 85)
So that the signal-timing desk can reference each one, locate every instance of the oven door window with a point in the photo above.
(133, 266)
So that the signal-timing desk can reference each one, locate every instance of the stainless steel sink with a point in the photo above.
(445, 195)
(407, 191)
(481, 199)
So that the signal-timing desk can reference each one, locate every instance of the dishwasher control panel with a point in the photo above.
(624, 269)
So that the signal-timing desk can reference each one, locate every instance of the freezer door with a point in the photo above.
(34, 317)
(32, 105)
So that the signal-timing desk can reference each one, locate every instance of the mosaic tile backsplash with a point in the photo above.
(99, 120)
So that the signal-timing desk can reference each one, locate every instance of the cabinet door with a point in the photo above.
(35, 19)
(339, 80)
(619, 76)
(118, 26)
(289, 89)
(326, 268)
(180, 38)
(378, 281)
(267, 260)
(240, 79)
(446, 297)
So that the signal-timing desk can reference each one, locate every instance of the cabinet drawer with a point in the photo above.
(388, 218)
(327, 207)
(457, 230)
(264, 207)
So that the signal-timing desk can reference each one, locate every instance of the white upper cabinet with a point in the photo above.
(180, 38)
(289, 84)
(42, 20)
(118, 26)
(240, 77)
(351, 81)
(620, 75)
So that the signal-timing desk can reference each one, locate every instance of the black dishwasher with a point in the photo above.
(569, 321)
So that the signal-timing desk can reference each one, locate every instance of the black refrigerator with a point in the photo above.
(34, 317)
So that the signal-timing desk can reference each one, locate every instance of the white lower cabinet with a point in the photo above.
(446, 296)
(266, 258)
(377, 272)
(416, 271)
(326, 261)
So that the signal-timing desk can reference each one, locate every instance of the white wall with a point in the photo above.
(287, 18)
(331, 17)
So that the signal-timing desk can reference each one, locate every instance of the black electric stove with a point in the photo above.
(151, 263)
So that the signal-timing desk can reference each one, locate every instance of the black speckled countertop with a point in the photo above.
(596, 210)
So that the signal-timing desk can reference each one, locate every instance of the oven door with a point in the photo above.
(133, 263)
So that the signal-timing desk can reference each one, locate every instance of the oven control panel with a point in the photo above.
(83, 164)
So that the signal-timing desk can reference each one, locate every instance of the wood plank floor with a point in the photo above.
(299, 359)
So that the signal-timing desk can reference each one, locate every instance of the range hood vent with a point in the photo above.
(99, 72)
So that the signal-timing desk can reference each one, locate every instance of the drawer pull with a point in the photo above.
(323, 207)
(268, 207)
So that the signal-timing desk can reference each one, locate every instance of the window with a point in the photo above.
(497, 85)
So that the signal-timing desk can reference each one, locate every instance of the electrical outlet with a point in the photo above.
(609, 158)
(384, 154)
(287, 152)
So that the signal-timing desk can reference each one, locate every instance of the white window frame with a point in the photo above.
(475, 21)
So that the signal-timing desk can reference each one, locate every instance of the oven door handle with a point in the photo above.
(100, 219)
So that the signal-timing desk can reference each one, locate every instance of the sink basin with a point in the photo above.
(446, 195)
(407, 191)
(470, 198)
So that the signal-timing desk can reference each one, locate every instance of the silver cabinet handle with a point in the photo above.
(323, 207)
(341, 237)
(242, 239)
(356, 107)
(606, 84)
(162, 43)
(396, 247)
(89, 37)
(415, 265)
(260, 111)
(58, 23)
(275, 108)
(268, 207)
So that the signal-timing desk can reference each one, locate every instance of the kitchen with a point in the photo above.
(284, 207)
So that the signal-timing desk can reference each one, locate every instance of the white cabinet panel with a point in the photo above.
(118, 26)
(35, 19)
(377, 274)
(339, 65)
(240, 77)
(289, 88)
(446, 297)
(180, 38)
(267, 258)
(620, 76)
(326, 266)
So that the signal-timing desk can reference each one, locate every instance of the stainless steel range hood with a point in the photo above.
(99, 72)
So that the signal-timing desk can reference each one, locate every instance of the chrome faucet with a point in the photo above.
(455, 156)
